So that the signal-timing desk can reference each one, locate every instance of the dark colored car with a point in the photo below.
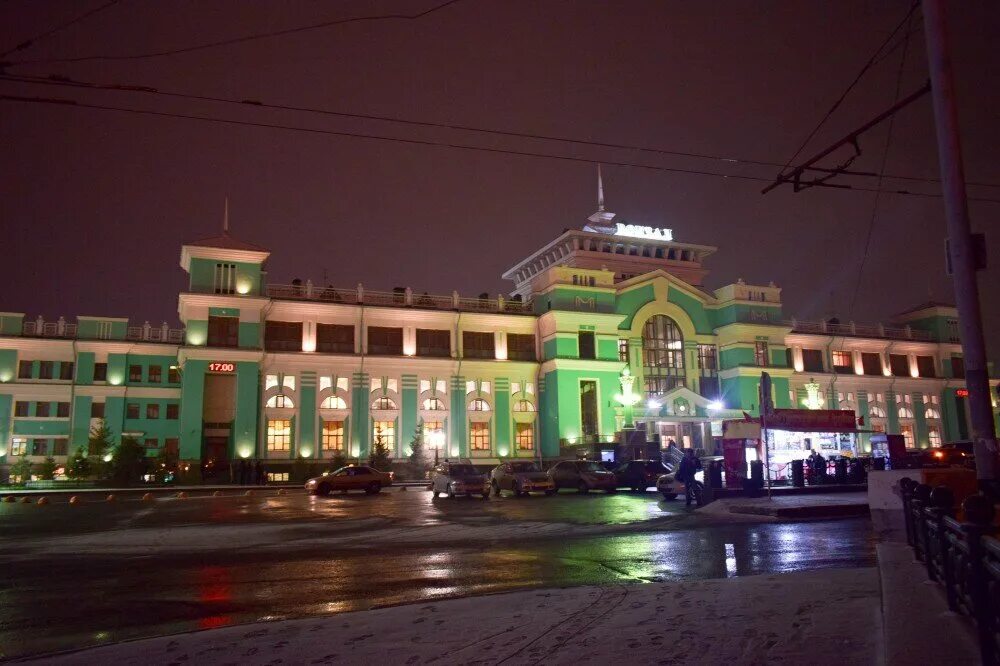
(584, 475)
(952, 454)
(640, 474)
(520, 477)
(457, 478)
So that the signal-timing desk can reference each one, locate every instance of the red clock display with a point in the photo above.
(221, 366)
(962, 393)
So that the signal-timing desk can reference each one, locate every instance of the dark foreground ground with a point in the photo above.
(93, 574)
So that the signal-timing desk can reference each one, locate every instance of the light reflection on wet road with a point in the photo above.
(64, 601)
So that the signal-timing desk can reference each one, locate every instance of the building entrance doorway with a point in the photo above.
(215, 458)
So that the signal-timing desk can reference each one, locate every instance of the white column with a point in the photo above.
(409, 341)
(308, 336)
(797, 358)
(500, 345)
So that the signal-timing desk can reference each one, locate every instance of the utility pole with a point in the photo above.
(963, 259)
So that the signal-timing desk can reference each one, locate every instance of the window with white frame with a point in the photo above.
(18, 446)
(932, 413)
(225, 278)
(524, 436)
(934, 435)
(332, 438)
(523, 406)
(383, 403)
(479, 436)
(907, 432)
(434, 404)
(333, 402)
(279, 435)
(905, 411)
(479, 405)
(281, 401)
(386, 432)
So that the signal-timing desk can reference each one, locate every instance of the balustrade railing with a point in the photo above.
(62, 329)
(397, 298)
(963, 557)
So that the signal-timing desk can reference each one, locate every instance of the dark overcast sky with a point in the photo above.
(95, 205)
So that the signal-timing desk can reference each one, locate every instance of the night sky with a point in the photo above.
(96, 204)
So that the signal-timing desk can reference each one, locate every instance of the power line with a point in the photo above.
(868, 65)
(243, 39)
(62, 26)
(71, 103)
(58, 80)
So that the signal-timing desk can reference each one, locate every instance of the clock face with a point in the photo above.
(221, 366)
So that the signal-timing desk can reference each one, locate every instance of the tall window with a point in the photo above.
(135, 373)
(18, 446)
(100, 372)
(431, 427)
(97, 410)
(42, 409)
(957, 367)
(387, 431)
(433, 342)
(662, 355)
(173, 375)
(521, 346)
(478, 344)
(21, 408)
(587, 344)
(173, 411)
(760, 354)
(152, 410)
(45, 369)
(223, 331)
(871, 363)
(279, 435)
(333, 436)
(899, 365)
(66, 370)
(24, 370)
(524, 436)
(934, 435)
(479, 436)
(62, 409)
(225, 278)
(907, 432)
(623, 350)
(39, 447)
(132, 410)
(385, 341)
(334, 339)
(283, 336)
(925, 366)
(843, 362)
(384, 403)
(155, 374)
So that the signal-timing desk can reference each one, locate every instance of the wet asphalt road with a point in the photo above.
(68, 598)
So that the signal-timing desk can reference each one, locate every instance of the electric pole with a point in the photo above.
(962, 251)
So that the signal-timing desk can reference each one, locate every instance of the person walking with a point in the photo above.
(685, 474)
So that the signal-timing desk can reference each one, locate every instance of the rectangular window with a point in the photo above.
(173, 411)
(45, 369)
(524, 436)
(479, 436)
(907, 432)
(521, 347)
(42, 409)
(155, 374)
(21, 408)
(223, 331)
(172, 446)
(39, 447)
(152, 443)
(333, 436)
(173, 375)
(132, 410)
(152, 411)
(386, 430)
(476, 344)
(843, 362)
(60, 447)
(433, 342)
(334, 339)
(934, 435)
(587, 344)
(135, 373)
(623, 350)
(925, 366)
(899, 365)
(282, 336)
(97, 410)
(871, 363)
(708, 359)
(66, 370)
(62, 409)
(812, 360)
(18, 446)
(588, 407)
(24, 370)
(279, 435)
(760, 355)
(100, 372)
(430, 430)
(385, 341)
(957, 367)
(277, 477)
(225, 278)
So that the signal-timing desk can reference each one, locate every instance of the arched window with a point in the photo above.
(876, 412)
(523, 406)
(662, 355)
(280, 400)
(384, 403)
(434, 404)
(333, 402)
(905, 412)
(932, 413)
(479, 405)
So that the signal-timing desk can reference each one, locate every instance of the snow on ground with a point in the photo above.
(816, 618)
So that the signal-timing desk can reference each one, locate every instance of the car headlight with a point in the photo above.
(311, 482)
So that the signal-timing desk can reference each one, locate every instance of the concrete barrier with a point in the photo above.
(42, 501)
(74, 500)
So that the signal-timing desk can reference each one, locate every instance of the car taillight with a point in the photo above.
(938, 454)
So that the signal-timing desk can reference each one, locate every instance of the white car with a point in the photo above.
(670, 487)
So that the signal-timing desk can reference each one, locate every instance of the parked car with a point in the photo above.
(952, 454)
(352, 477)
(454, 478)
(640, 474)
(584, 475)
(670, 487)
(520, 477)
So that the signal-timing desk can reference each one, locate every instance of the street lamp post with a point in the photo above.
(437, 441)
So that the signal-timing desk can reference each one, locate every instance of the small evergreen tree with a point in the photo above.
(99, 443)
(22, 469)
(79, 465)
(337, 460)
(128, 462)
(47, 470)
(167, 463)
(380, 454)
(418, 452)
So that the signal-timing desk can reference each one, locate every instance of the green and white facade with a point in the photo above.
(283, 372)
